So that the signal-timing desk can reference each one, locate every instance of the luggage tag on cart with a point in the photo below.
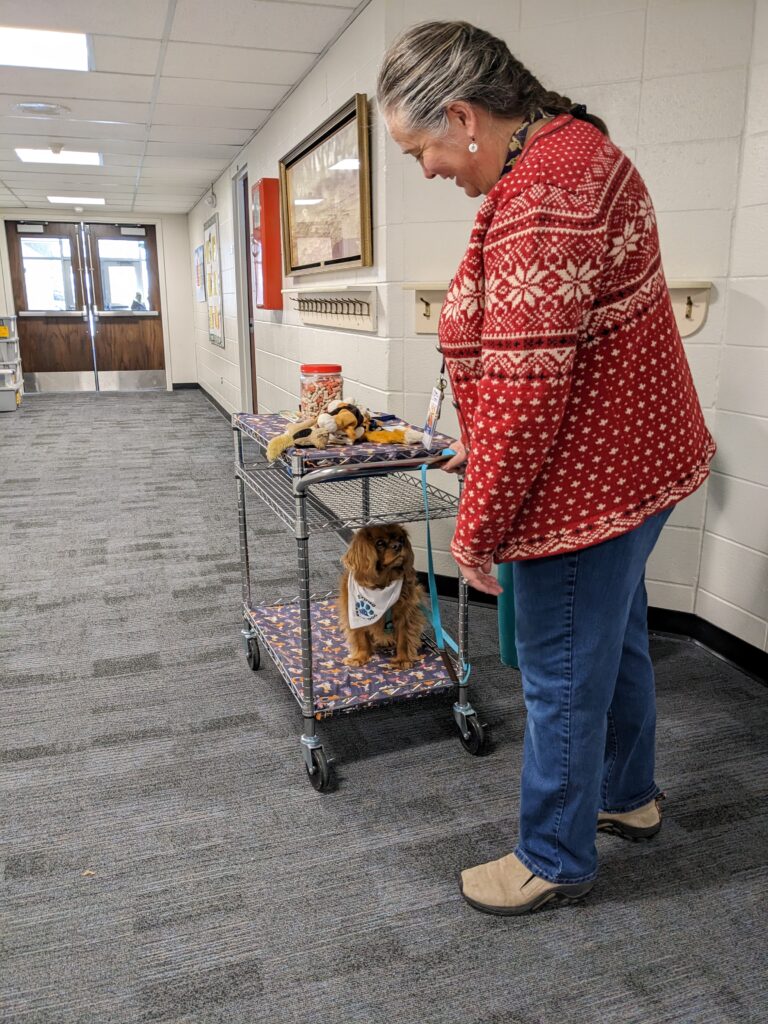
(433, 414)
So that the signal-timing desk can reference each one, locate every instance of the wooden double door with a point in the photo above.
(87, 299)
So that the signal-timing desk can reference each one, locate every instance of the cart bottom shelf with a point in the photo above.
(338, 687)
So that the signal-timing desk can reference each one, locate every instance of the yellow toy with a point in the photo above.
(305, 435)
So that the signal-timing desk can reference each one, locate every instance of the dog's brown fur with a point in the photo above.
(377, 556)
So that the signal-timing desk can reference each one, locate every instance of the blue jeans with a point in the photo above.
(582, 643)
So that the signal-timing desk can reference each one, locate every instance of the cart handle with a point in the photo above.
(318, 476)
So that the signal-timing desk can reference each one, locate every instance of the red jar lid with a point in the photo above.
(321, 368)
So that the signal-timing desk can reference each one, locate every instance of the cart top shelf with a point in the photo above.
(262, 428)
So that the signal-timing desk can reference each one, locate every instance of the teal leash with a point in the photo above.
(442, 638)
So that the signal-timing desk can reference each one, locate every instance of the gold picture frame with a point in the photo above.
(325, 195)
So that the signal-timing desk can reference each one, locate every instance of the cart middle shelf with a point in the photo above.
(347, 504)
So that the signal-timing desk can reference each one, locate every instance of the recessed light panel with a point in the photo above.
(31, 48)
(80, 200)
(42, 109)
(66, 156)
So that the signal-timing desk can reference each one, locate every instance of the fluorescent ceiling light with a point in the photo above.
(66, 156)
(80, 200)
(349, 163)
(42, 109)
(306, 202)
(31, 48)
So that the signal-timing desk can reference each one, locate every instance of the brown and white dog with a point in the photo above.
(377, 558)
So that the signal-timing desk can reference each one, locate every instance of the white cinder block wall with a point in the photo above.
(733, 577)
(671, 78)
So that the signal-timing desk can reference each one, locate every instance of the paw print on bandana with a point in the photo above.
(364, 608)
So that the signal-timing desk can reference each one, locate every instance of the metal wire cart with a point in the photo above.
(338, 490)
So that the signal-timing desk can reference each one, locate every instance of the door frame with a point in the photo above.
(241, 215)
(125, 219)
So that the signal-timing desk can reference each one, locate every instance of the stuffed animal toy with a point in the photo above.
(304, 435)
(345, 419)
(351, 425)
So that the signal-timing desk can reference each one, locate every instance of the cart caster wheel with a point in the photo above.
(477, 742)
(321, 775)
(253, 657)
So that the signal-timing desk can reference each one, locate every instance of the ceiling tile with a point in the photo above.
(255, 23)
(112, 53)
(192, 133)
(235, 63)
(172, 164)
(50, 85)
(193, 151)
(209, 117)
(219, 94)
(82, 110)
(44, 128)
(88, 16)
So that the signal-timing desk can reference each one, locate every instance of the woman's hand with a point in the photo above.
(481, 579)
(456, 461)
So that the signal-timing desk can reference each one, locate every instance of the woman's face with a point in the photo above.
(448, 155)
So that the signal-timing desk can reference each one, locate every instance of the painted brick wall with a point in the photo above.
(733, 577)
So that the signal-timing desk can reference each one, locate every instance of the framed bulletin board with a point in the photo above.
(326, 195)
(265, 244)
(212, 259)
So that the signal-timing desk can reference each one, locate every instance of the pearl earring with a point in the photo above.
(472, 146)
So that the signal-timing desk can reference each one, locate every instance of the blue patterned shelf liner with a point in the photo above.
(338, 687)
(263, 427)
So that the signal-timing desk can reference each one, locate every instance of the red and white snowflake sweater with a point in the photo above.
(565, 361)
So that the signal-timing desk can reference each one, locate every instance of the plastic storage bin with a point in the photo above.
(321, 383)
(8, 327)
(10, 398)
(10, 374)
(9, 350)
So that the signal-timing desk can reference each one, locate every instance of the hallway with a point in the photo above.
(165, 859)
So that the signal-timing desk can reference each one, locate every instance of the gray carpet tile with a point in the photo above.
(164, 858)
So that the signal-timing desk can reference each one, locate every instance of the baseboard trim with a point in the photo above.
(215, 404)
(743, 655)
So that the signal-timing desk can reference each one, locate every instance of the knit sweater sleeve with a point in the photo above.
(542, 261)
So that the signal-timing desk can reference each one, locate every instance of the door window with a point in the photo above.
(124, 277)
(48, 277)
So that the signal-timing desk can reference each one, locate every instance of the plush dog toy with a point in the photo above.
(346, 419)
(352, 425)
(305, 435)
(341, 423)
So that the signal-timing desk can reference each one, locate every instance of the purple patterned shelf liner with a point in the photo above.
(263, 427)
(338, 687)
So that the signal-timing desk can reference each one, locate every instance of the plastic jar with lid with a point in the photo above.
(321, 383)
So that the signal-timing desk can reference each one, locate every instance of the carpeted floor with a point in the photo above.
(164, 858)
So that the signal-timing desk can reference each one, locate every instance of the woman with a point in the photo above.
(580, 431)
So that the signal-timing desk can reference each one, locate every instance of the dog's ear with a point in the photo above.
(361, 558)
(408, 557)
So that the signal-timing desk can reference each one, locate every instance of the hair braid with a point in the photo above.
(436, 63)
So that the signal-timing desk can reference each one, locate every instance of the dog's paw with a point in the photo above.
(355, 661)
(401, 663)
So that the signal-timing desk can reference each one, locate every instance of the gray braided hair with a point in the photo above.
(436, 63)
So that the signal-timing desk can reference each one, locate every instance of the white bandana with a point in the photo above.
(368, 604)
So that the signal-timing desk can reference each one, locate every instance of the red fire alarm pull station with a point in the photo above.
(265, 244)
